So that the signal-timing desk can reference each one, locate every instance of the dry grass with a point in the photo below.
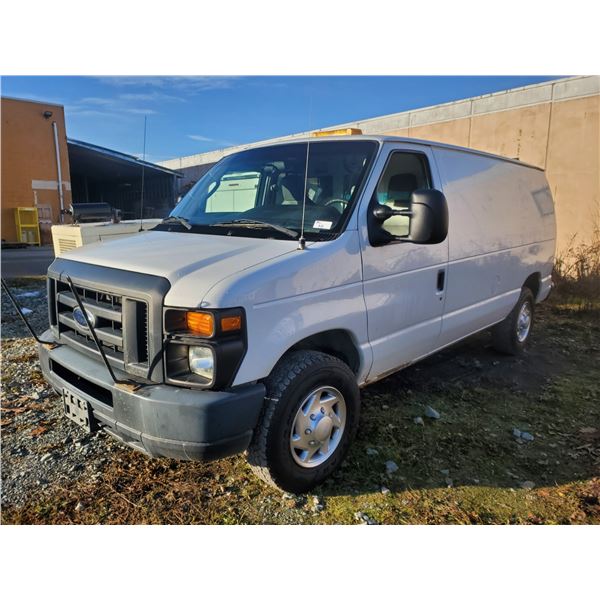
(577, 274)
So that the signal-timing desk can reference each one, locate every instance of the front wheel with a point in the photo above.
(310, 417)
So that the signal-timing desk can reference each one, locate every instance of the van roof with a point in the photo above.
(391, 138)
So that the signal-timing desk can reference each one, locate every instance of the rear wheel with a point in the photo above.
(310, 417)
(512, 335)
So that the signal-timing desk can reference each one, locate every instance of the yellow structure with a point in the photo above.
(345, 131)
(28, 227)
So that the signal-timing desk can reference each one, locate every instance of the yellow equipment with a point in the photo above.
(346, 131)
(28, 227)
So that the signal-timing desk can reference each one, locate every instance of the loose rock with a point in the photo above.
(391, 467)
(419, 421)
(366, 519)
(432, 413)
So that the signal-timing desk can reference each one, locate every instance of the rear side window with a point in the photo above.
(404, 173)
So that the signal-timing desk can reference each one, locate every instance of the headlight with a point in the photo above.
(202, 361)
(203, 348)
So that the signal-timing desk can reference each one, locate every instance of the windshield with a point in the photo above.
(259, 192)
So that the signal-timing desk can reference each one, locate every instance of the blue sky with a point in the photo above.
(188, 115)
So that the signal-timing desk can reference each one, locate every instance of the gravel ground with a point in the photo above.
(31, 295)
(40, 447)
(466, 436)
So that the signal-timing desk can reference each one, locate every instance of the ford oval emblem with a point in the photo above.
(80, 319)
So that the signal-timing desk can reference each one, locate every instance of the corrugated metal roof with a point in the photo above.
(121, 156)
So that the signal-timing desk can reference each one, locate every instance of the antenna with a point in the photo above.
(302, 240)
(142, 194)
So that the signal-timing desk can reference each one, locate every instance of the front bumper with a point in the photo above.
(159, 420)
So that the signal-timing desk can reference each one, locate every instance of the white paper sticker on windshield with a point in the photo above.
(322, 225)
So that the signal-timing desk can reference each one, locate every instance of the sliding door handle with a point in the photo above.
(441, 280)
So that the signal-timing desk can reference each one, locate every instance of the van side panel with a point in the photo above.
(502, 230)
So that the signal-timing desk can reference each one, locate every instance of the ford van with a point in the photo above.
(288, 278)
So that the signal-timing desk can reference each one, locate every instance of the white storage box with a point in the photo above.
(67, 237)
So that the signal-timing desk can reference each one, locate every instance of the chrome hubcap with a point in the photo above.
(524, 322)
(318, 427)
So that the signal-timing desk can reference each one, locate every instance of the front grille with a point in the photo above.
(142, 332)
(121, 324)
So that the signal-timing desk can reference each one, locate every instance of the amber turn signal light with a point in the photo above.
(231, 323)
(200, 323)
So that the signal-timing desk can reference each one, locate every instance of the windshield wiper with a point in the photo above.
(249, 222)
(179, 220)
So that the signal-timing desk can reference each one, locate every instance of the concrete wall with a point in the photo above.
(28, 163)
(553, 125)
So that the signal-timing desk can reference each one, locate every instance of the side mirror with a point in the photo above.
(428, 218)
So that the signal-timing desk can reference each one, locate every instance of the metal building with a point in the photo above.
(102, 175)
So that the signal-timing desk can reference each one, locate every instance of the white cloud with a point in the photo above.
(152, 97)
(200, 138)
(203, 138)
(140, 111)
(98, 101)
(190, 85)
(76, 110)
(111, 106)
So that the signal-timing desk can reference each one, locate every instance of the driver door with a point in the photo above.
(404, 283)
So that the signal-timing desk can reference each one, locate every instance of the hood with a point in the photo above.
(175, 255)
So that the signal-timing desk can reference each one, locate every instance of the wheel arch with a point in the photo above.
(534, 283)
(336, 342)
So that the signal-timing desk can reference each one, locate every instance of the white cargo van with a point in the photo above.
(279, 286)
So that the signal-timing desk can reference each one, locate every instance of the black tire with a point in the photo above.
(291, 381)
(505, 337)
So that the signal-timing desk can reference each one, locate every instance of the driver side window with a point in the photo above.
(404, 173)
